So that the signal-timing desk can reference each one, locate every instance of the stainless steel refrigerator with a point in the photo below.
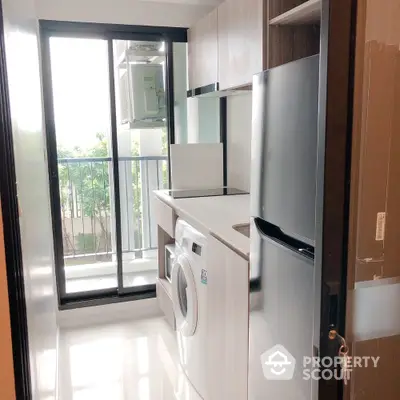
(283, 192)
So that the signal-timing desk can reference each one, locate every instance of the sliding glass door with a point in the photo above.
(109, 104)
(141, 110)
(82, 119)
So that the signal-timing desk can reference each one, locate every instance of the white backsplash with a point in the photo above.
(239, 141)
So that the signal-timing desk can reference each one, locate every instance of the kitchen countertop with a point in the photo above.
(215, 215)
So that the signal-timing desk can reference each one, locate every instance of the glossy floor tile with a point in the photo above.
(134, 360)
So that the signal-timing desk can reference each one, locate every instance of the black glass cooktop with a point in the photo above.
(187, 194)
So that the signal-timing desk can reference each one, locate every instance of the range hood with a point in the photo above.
(213, 91)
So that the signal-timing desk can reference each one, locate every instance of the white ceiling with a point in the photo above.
(178, 13)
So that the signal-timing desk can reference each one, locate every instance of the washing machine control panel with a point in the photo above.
(196, 248)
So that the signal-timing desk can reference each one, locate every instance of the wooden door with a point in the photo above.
(7, 390)
(373, 310)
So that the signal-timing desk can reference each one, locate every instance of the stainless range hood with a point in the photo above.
(213, 90)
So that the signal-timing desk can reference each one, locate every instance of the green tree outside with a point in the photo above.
(85, 192)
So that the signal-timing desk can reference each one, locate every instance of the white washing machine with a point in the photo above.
(189, 297)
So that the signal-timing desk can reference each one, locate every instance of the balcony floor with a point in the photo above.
(103, 275)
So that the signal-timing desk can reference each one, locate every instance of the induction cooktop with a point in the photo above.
(190, 193)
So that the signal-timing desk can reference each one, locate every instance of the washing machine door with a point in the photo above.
(184, 296)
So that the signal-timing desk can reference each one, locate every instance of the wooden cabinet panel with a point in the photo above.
(203, 51)
(291, 43)
(7, 390)
(278, 7)
(240, 41)
(295, 40)
(228, 322)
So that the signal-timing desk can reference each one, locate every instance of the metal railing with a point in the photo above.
(87, 205)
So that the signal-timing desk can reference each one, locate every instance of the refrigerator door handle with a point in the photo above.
(276, 234)
(307, 253)
(258, 144)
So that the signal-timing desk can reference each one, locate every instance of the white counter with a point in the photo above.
(216, 216)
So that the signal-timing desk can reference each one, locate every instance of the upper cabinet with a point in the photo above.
(203, 51)
(229, 45)
(244, 37)
(293, 30)
(241, 41)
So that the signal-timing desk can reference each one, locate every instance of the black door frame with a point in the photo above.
(12, 236)
(108, 32)
(337, 62)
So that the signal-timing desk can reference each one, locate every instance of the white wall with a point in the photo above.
(26, 109)
(239, 140)
(131, 12)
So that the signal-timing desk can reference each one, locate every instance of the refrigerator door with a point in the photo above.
(284, 317)
(284, 148)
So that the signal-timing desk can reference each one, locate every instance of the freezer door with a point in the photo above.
(284, 148)
(284, 317)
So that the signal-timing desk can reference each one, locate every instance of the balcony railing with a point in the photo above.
(87, 205)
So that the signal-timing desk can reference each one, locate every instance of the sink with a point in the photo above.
(244, 229)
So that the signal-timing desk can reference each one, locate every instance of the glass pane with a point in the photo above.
(197, 119)
(203, 120)
(182, 291)
(82, 119)
(181, 85)
(142, 150)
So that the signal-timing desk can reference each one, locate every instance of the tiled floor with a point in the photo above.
(135, 360)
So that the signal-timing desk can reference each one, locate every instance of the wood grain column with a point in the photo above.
(7, 386)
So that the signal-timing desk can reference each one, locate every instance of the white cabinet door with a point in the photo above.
(203, 51)
(228, 322)
(240, 42)
(165, 216)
